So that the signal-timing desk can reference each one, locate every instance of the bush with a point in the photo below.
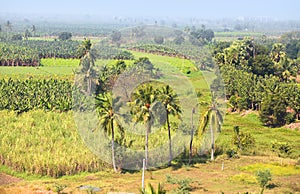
(232, 153)
(65, 36)
(183, 184)
(243, 141)
(263, 177)
(283, 149)
(159, 40)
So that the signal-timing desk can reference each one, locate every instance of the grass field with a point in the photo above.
(238, 174)
(36, 141)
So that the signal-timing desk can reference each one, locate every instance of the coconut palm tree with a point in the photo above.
(107, 107)
(213, 119)
(87, 62)
(141, 102)
(171, 103)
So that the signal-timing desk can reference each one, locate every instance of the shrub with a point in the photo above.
(263, 177)
(283, 149)
(243, 141)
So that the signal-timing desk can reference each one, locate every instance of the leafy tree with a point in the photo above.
(159, 39)
(141, 103)
(179, 40)
(107, 107)
(116, 36)
(63, 36)
(263, 177)
(8, 25)
(171, 103)
(274, 102)
(17, 37)
(263, 65)
(27, 34)
(33, 29)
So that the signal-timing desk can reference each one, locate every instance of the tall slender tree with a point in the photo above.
(141, 102)
(171, 103)
(213, 119)
(107, 107)
(87, 62)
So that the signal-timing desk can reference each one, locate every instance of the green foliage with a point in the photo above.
(203, 34)
(157, 49)
(47, 49)
(14, 55)
(242, 140)
(63, 36)
(116, 36)
(159, 39)
(22, 96)
(151, 190)
(244, 178)
(184, 186)
(283, 149)
(123, 55)
(263, 177)
(17, 37)
(59, 188)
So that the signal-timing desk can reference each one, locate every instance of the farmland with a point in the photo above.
(202, 108)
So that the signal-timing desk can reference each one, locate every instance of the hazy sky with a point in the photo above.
(280, 9)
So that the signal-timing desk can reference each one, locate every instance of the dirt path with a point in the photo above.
(7, 179)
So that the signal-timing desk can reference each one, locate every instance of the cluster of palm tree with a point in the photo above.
(142, 105)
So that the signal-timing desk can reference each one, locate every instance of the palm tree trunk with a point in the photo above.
(113, 145)
(170, 141)
(148, 128)
(89, 80)
(212, 142)
(191, 141)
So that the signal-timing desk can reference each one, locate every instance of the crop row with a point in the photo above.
(15, 55)
(158, 50)
(22, 96)
(49, 49)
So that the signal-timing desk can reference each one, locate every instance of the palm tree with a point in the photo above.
(214, 119)
(108, 118)
(171, 103)
(87, 61)
(141, 103)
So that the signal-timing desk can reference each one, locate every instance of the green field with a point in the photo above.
(52, 142)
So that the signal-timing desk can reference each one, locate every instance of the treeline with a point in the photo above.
(15, 55)
(261, 78)
(29, 52)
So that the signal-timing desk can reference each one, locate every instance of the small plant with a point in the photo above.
(232, 153)
(263, 177)
(58, 188)
(184, 184)
(283, 149)
(151, 190)
(242, 141)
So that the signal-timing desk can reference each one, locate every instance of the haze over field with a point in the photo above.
(275, 9)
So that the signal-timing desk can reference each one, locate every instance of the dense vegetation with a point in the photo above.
(259, 75)
(13, 55)
(22, 96)
(260, 78)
